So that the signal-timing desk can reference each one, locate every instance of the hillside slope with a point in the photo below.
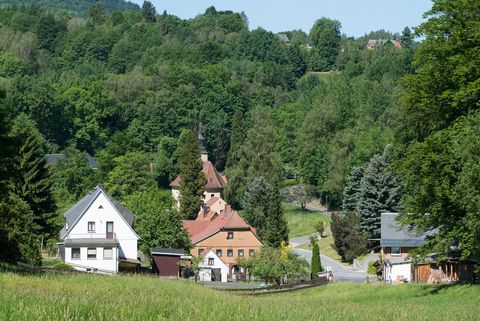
(93, 297)
(77, 8)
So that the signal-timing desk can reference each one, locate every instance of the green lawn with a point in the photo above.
(91, 297)
(326, 248)
(302, 222)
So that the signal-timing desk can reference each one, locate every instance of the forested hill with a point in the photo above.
(78, 7)
(123, 86)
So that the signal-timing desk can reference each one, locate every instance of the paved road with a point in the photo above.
(341, 273)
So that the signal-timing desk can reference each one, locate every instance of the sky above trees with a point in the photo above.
(357, 17)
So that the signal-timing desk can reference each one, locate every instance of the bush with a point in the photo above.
(372, 269)
(63, 266)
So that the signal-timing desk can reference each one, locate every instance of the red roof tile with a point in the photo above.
(200, 229)
(215, 180)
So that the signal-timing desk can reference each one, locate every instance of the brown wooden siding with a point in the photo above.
(166, 265)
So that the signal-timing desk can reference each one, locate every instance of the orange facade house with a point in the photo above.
(227, 235)
(217, 226)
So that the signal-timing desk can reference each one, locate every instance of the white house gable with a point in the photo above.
(98, 234)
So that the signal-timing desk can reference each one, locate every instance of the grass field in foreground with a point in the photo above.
(302, 223)
(92, 297)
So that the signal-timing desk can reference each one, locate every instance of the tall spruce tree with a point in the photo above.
(17, 237)
(148, 11)
(257, 156)
(379, 193)
(276, 229)
(255, 204)
(352, 190)
(31, 177)
(192, 184)
(316, 265)
(262, 205)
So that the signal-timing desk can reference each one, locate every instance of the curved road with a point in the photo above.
(341, 273)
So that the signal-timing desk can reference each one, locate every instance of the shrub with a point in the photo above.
(371, 268)
(63, 266)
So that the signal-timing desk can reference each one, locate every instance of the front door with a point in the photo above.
(109, 230)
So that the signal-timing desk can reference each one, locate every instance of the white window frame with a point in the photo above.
(79, 253)
(399, 251)
(91, 249)
(211, 261)
(106, 257)
(91, 223)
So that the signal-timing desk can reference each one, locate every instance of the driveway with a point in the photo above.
(341, 273)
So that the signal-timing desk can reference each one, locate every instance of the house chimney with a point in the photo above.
(206, 209)
(203, 150)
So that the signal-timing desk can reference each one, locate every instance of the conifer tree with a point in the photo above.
(316, 265)
(352, 190)
(379, 193)
(262, 205)
(192, 184)
(148, 11)
(276, 229)
(257, 156)
(255, 204)
(31, 177)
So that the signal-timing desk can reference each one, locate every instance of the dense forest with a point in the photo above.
(126, 86)
(75, 8)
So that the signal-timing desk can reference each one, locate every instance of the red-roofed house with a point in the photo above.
(227, 235)
(215, 181)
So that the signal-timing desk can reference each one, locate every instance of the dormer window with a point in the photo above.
(91, 227)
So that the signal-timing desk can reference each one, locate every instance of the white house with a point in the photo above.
(98, 235)
(397, 242)
(212, 268)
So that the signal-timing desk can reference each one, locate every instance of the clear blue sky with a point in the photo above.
(357, 16)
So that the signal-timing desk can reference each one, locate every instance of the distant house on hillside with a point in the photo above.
(98, 235)
(283, 37)
(376, 43)
(53, 159)
(397, 242)
(216, 182)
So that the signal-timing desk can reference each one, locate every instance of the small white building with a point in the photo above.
(98, 235)
(397, 243)
(212, 268)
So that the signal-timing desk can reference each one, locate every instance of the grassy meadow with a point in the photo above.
(93, 297)
(302, 223)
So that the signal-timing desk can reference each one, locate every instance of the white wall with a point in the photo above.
(208, 195)
(398, 270)
(103, 265)
(205, 272)
(124, 234)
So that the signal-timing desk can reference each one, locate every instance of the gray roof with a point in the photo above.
(393, 234)
(165, 251)
(283, 37)
(76, 211)
(53, 159)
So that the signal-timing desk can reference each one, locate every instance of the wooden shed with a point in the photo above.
(166, 262)
(445, 272)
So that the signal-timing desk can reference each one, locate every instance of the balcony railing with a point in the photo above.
(107, 236)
